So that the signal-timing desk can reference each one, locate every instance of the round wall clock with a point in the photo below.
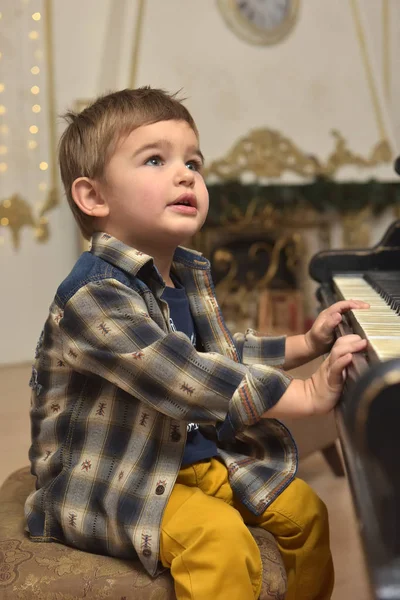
(260, 22)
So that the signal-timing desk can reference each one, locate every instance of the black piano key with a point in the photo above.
(387, 284)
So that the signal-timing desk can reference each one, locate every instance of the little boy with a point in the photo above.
(153, 430)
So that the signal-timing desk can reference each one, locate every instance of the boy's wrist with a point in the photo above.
(296, 402)
(312, 346)
(311, 395)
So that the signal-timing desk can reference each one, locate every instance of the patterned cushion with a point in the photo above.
(52, 571)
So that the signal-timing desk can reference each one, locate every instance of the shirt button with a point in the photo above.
(160, 489)
(175, 436)
(146, 552)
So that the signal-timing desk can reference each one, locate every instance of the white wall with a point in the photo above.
(394, 67)
(312, 82)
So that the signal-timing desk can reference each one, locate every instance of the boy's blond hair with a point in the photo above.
(90, 139)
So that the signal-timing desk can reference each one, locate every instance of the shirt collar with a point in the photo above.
(129, 259)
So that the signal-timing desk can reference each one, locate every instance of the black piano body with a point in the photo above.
(368, 419)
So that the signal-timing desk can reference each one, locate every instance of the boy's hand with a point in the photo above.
(325, 386)
(321, 335)
(320, 393)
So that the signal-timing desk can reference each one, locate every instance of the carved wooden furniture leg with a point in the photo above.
(334, 460)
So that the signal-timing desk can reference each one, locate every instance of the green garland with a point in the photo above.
(227, 199)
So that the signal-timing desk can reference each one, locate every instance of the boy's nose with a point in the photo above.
(184, 176)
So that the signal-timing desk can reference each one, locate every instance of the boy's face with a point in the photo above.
(153, 187)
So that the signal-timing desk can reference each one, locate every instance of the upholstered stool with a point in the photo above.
(41, 571)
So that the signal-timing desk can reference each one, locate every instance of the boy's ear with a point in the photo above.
(88, 198)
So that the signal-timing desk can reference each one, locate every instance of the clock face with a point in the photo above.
(267, 15)
(260, 21)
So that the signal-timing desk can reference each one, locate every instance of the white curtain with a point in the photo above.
(27, 166)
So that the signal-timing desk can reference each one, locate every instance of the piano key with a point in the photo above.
(380, 324)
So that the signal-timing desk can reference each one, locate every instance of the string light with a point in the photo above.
(36, 108)
(34, 32)
(5, 221)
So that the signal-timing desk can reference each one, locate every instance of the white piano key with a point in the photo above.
(379, 324)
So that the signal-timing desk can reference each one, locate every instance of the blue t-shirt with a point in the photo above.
(197, 446)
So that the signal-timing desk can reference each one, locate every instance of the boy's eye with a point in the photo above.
(154, 161)
(194, 165)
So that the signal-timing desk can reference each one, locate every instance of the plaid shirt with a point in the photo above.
(113, 389)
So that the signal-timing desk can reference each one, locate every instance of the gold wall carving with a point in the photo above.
(290, 222)
(356, 228)
(268, 153)
(15, 211)
(396, 211)
(240, 297)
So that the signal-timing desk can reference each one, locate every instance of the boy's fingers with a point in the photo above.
(352, 345)
(336, 318)
(359, 303)
(331, 322)
(348, 339)
(336, 375)
(345, 305)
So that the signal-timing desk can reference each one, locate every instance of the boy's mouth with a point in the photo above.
(186, 204)
(185, 200)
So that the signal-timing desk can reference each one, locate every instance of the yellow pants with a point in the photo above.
(213, 556)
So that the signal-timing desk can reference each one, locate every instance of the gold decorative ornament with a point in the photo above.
(268, 153)
(260, 23)
(16, 212)
(396, 211)
(356, 228)
(240, 299)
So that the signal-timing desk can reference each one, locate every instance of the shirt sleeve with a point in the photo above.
(107, 331)
(261, 350)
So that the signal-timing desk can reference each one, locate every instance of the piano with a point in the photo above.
(368, 414)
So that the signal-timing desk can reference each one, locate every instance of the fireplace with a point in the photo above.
(257, 277)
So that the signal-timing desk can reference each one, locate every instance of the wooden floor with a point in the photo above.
(351, 581)
(350, 577)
